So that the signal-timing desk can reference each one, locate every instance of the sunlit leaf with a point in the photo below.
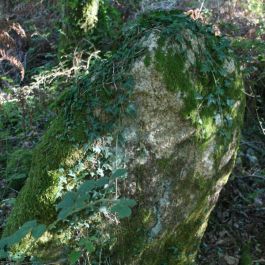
(22, 232)
(122, 207)
(118, 173)
(38, 231)
(87, 244)
(87, 186)
(102, 182)
(67, 201)
(64, 213)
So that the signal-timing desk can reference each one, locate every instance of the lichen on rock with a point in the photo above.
(189, 159)
(178, 147)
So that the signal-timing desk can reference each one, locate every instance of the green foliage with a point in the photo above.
(18, 165)
(37, 230)
(94, 23)
(207, 60)
(27, 113)
(245, 258)
(250, 54)
(123, 207)
(74, 257)
(74, 202)
(256, 7)
(11, 118)
(91, 108)
(111, 103)
(108, 30)
(94, 196)
(13, 127)
(119, 173)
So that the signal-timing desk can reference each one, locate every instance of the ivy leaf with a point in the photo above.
(80, 167)
(18, 257)
(72, 174)
(123, 207)
(219, 91)
(222, 72)
(38, 231)
(4, 242)
(228, 83)
(229, 120)
(74, 256)
(121, 210)
(128, 202)
(97, 149)
(87, 186)
(28, 225)
(102, 182)
(3, 254)
(68, 200)
(118, 173)
(90, 247)
(64, 213)
(81, 201)
(218, 119)
(87, 244)
(210, 100)
(22, 232)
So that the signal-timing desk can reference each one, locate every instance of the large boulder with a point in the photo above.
(181, 147)
(168, 108)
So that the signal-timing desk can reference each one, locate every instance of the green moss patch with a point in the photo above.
(18, 165)
(193, 62)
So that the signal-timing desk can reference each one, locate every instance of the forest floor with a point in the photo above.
(236, 230)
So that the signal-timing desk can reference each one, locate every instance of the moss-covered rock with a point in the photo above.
(187, 161)
(179, 145)
(41, 186)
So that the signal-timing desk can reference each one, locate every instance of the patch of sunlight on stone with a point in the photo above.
(203, 226)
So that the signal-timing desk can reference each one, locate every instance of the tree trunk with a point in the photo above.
(178, 146)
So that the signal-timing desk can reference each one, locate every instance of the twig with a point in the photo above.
(201, 6)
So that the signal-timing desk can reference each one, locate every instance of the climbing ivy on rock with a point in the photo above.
(197, 53)
(85, 137)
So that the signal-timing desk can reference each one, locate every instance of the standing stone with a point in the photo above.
(179, 148)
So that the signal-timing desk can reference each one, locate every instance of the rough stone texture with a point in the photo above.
(177, 179)
(174, 175)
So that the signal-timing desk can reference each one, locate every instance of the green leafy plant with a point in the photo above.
(91, 22)
(73, 203)
(18, 165)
